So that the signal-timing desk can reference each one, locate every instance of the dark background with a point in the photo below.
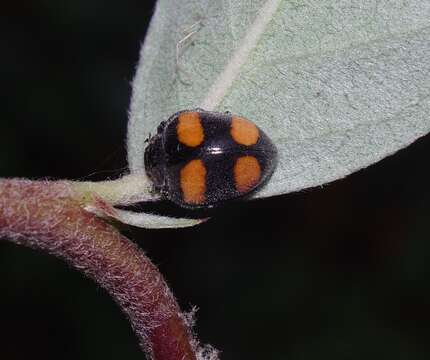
(336, 272)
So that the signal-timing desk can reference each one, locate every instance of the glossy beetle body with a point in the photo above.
(198, 159)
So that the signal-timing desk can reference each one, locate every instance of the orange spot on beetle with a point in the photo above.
(193, 182)
(247, 173)
(243, 131)
(190, 130)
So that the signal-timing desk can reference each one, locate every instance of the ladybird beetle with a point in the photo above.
(199, 158)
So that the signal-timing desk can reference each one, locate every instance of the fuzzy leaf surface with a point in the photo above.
(338, 85)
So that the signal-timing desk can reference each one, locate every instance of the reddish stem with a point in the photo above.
(45, 215)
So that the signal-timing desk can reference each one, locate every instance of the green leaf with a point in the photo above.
(337, 85)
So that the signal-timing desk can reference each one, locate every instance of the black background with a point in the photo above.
(336, 272)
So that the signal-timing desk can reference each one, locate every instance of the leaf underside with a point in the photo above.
(337, 85)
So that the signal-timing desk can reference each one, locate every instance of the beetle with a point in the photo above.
(200, 159)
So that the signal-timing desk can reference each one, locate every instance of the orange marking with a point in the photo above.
(193, 182)
(243, 131)
(247, 173)
(190, 130)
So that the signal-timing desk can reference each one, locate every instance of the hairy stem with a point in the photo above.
(46, 215)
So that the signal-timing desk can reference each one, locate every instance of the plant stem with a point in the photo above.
(48, 216)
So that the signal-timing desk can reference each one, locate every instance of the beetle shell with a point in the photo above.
(198, 159)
